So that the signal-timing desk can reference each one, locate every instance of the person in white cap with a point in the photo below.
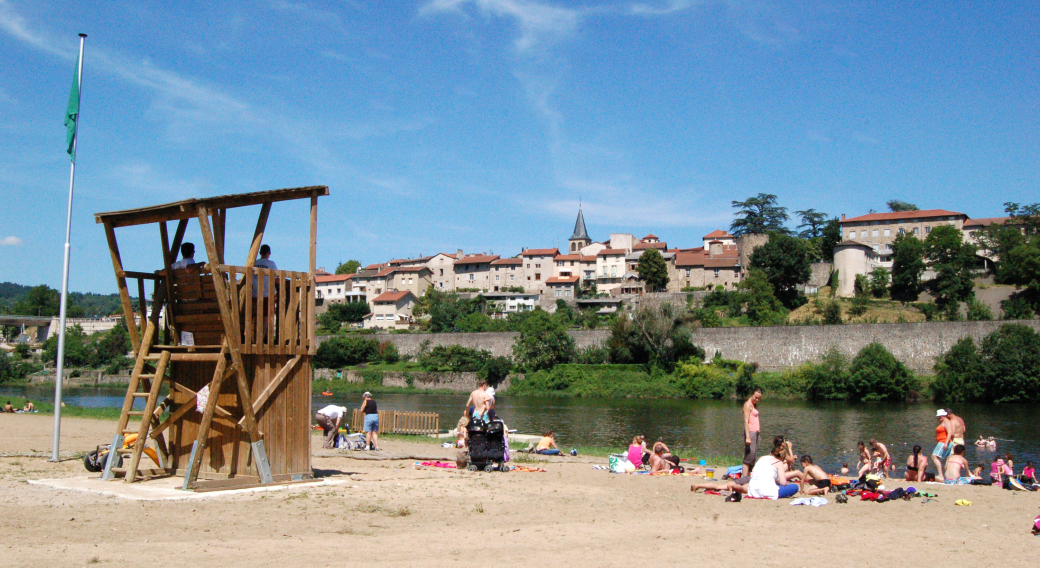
(490, 392)
(944, 442)
(329, 418)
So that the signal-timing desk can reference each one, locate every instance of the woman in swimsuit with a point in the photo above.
(915, 466)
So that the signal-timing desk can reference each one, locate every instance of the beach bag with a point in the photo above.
(618, 463)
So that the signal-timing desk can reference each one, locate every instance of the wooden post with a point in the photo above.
(219, 218)
(311, 269)
(124, 294)
(258, 234)
(227, 314)
(207, 419)
(172, 337)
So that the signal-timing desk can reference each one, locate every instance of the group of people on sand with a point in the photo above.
(658, 459)
(29, 407)
(332, 417)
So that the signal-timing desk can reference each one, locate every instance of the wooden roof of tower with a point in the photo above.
(245, 333)
(189, 208)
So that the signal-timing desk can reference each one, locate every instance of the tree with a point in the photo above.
(653, 270)
(813, 221)
(348, 267)
(542, 343)
(829, 238)
(907, 267)
(761, 305)
(759, 214)
(657, 336)
(896, 205)
(953, 261)
(336, 315)
(786, 263)
(40, 301)
(875, 374)
(879, 278)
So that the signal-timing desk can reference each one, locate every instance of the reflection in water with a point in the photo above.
(828, 431)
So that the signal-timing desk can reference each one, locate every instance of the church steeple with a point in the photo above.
(580, 238)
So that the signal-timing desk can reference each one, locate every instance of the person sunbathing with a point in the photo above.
(958, 472)
(638, 454)
(661, 459)
(820, 482)
(915, 466)
(1028, 474)
(547, 445)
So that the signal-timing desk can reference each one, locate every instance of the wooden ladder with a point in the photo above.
(145, 383)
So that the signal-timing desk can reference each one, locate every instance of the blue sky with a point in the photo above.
(479, 124)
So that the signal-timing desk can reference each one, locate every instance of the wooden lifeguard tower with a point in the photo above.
(242, 335)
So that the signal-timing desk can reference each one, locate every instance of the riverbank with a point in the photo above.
(571, 513)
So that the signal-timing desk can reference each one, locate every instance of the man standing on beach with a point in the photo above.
(751, 430)
(958, 427)
(478, 402)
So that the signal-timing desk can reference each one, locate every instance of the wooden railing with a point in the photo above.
(274, 309)
(396, 422)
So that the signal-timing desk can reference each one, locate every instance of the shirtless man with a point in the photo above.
(658, 459)
(886, 459)
(958, 427)
(958, 472)
(820, 482)
(478, 400)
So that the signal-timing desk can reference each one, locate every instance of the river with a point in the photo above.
(827, 431)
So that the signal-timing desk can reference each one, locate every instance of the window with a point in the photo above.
(537, 265)
(511, 277)
(852, 234)
(901, 231)
(472, 277)
(927, 230)
(915, 230)
(537, 276)
(442, 272)
(339, 290)
(687, 272)
(409, 280)
(874, 233)
(528, 265)
(528, 278)
(888, 232)
(497, 278)
(557, 292)
(441, 284)
(567, 293)
(716, 273)
(559, 263)
(613, 270)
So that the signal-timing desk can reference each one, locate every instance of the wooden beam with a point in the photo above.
(310, 294)
(171, 327)
(231, 334)
(207, 416)
(273, 385)
(124, 294)
(178, 237)
(258, 234)
(218, 232)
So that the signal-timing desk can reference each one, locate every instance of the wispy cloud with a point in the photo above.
(663, 8)
(11, 241)
(537, 23)
(140, 177)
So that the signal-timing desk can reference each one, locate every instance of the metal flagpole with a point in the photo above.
(65, 270)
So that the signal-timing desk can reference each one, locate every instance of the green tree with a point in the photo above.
(896, 205)
(657, 336)
(348, 267)
(495, 370)
(879, 278)
(652, 270)
(335, 315)
(337, 352)
(959, 373)
(907, 267)
(542, 343)
(977, 311)
(112, 348)
(786, 263)
(759, 214)
(829, 238)
(473, 322)
(953, 262)
(761, 305)
(828, 379)
(832, 314)
(1016, 307)
(813, 221)
(40, 301)
(875, 374)
(79, 351)
(1011, 359)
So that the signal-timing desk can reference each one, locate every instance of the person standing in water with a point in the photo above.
(751, 430)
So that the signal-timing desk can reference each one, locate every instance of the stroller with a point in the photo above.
(487, 445)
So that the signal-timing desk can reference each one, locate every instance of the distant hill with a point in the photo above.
(16, 298)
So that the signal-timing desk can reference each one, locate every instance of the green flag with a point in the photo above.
(72, 113)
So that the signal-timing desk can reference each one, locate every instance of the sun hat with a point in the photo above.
(939, 413)
(367, 395)
(491, 392)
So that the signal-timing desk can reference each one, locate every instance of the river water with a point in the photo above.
(827, 431)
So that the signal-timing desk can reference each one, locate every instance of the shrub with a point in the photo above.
(859, 306)
(617, 381)
(876, 375)
(977, 311)
(826, 380)
(712, 380)
(930, 311)
(1016, 307)
(657, 335)
(453, 358)
(344, 351)
(495, 370)
(959, 373)
(832, 314)
(708, 317)
(387, 353)
(1011, 359)
(542, 343)
(593, 356)
(879, 278)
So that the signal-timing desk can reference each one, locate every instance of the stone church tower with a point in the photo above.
(580, 238)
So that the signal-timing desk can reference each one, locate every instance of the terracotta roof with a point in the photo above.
(607, 252)
(644, 246)
(896, 215)
(541, 252)
(987, 221)
(650, 236)
(508, 261)
(374, 267)
(385, 272)
(410, 268)
(477, 259)
(392, 296)
(719, 234)
(689, 259)
(588, 259)
(333, 278)
(721, 262)
(562, 280)
(567, 257)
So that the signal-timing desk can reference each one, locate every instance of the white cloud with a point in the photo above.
(663, 8)
(11, 241)
(537, 22)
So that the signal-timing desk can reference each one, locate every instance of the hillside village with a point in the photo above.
(602, 275)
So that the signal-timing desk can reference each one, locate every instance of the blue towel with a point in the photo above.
(735, 471)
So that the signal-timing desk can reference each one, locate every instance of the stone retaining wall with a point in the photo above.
(773, 348)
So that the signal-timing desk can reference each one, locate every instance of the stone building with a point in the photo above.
(442, 271)
(391, 310)
(538, 267)
(507, 273)
(474, 272)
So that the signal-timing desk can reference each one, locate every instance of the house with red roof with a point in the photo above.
(507, 273)
(562, 288)
(473, 271)
(538, 267)
(391, 310)
(336, 289)
(442, 270)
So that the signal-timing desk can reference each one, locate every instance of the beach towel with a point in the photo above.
(814, 501)
(523, 469)
(445, 465)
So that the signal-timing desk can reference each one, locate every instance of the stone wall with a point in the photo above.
(458, 382)
(773, 348)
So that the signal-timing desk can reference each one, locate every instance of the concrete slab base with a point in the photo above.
(165, 489)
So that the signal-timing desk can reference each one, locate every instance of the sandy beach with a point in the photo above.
(388, 513)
